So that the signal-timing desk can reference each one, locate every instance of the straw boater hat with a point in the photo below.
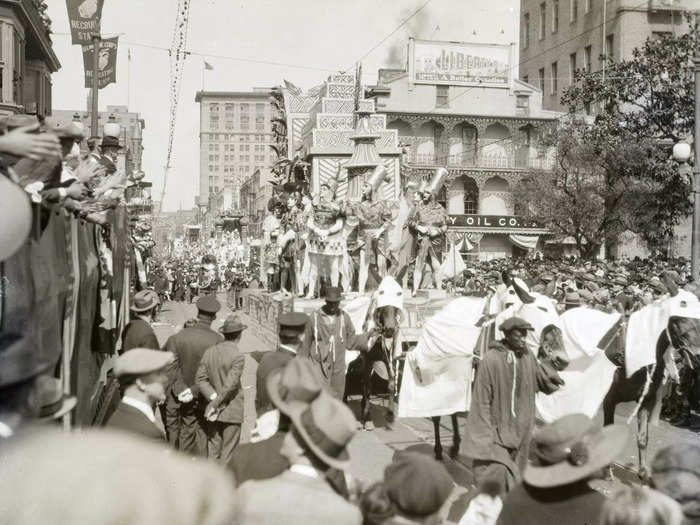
(572, 448)
(327, 426)
(144, 300)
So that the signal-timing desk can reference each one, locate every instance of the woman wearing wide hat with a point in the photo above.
(567, 454)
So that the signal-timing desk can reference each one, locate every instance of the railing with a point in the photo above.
(472, 160)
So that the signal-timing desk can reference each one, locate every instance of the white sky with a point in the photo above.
(318, 36)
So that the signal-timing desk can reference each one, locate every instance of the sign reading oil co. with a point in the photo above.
(491, 221)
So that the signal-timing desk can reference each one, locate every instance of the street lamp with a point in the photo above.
(681, 153)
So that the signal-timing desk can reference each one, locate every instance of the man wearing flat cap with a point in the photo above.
(139, 333)
(185, 407)
(502, 413)
(219, 382)
(143, 377)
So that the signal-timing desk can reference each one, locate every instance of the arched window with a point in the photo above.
(471, 196)
(441, 197)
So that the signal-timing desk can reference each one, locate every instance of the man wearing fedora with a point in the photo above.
(219, 382)
(53, 402)
(185, 413)
(317, 443)
(566, 455)
(143, 377)
(329, 334)
(502, 413)
(139, 333)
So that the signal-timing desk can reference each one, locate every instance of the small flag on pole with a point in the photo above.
(208, 66)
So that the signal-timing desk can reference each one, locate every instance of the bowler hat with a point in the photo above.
(295, 383)
(232, 324)
(417, 484)
(141, 361)
(144, 300)
(110, 142)
(208, 304)
(327, 426)
(571, 449)
(53, 402)
(515, 323)
(333, 294)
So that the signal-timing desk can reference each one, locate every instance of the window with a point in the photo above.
(609, 42)
(522, 101)
(259, 108)
(543, 20)
(555, 16)
(442, 96)
(554, 84)
(572, 67)
(541, 75)
(574, 10)
(587, 52)
(245, 107)
(229, 106)
(526, 30)
(471, 197)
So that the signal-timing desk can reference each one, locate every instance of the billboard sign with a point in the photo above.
(459, 64)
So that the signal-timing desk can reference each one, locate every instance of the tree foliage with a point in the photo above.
(616, 173)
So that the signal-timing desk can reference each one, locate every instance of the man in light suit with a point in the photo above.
(142, 373)
(219, 381)
(317, 443)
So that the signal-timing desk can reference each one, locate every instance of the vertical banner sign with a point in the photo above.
(106, 62)
(84, 17)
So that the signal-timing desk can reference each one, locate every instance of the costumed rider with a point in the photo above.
(502, 414)
(326, 244)
(374, 220)
(429, 225)
(329, 334)
(287, 248)
(272, 229)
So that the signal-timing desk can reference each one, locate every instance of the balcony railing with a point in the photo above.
(471, 160)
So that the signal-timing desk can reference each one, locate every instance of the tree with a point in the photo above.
(615, 173)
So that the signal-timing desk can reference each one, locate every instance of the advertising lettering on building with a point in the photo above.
(459, 64)
(491, 221)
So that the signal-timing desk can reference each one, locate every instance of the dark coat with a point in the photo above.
(268, 362)
(133, 420)
(573, 504)
(220, 372)
(139, 334)
(189, 346)
(261, 460)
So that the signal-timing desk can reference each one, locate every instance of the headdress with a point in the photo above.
(378, 176)
(439, 178)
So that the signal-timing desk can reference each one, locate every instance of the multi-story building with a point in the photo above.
(557, 37)
(457, 106)
(255, 193)
(234, 138)
(27, 58)
(131, 132)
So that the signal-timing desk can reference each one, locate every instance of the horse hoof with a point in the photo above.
(438, 454)
(454, 451)
(369, 426)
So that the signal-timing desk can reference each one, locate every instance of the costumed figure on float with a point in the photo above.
(374, 217)
(326, 244)
(429, 224)
(272, 229)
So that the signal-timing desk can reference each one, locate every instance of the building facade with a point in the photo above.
(234, 138)
(132, 126)
(557, 37)
(255, 193)
(485, 135)
(27, 59)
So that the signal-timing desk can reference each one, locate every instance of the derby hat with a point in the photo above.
(53, 402)
(327, 426)
(572, 448)
(294, 385)
(232, 324)
(110, 142)
(144, 300)
(333, 294)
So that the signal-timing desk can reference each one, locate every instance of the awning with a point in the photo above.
(526, 242)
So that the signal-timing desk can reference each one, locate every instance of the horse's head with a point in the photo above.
(684, 335)
(387, 320)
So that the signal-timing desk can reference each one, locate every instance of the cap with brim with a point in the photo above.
(326, 425)
(515, 323)
(142, 361)
(293, 386)
(575, 458)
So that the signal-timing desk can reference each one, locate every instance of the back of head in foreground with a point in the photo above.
(109, 478)
(641, 506)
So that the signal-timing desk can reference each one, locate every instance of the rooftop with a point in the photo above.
(258, 93)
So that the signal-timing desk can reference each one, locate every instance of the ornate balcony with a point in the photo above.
(519, 161)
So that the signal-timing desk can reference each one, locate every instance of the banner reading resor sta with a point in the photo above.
(84, 17)
(106, 62)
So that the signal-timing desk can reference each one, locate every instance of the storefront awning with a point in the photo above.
(525, 242)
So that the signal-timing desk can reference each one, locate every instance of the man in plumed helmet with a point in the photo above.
(429, 224)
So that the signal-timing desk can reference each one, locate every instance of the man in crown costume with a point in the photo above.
(326, 244)
(429, 225)
(374, 217)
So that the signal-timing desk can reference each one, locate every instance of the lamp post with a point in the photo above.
(682, 153)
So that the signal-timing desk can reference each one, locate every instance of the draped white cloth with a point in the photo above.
(437, 373)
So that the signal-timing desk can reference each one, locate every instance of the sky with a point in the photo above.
(253, 43)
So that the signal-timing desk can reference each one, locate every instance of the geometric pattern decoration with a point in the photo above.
(328, 169)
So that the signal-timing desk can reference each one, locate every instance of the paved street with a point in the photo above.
(378, 447)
